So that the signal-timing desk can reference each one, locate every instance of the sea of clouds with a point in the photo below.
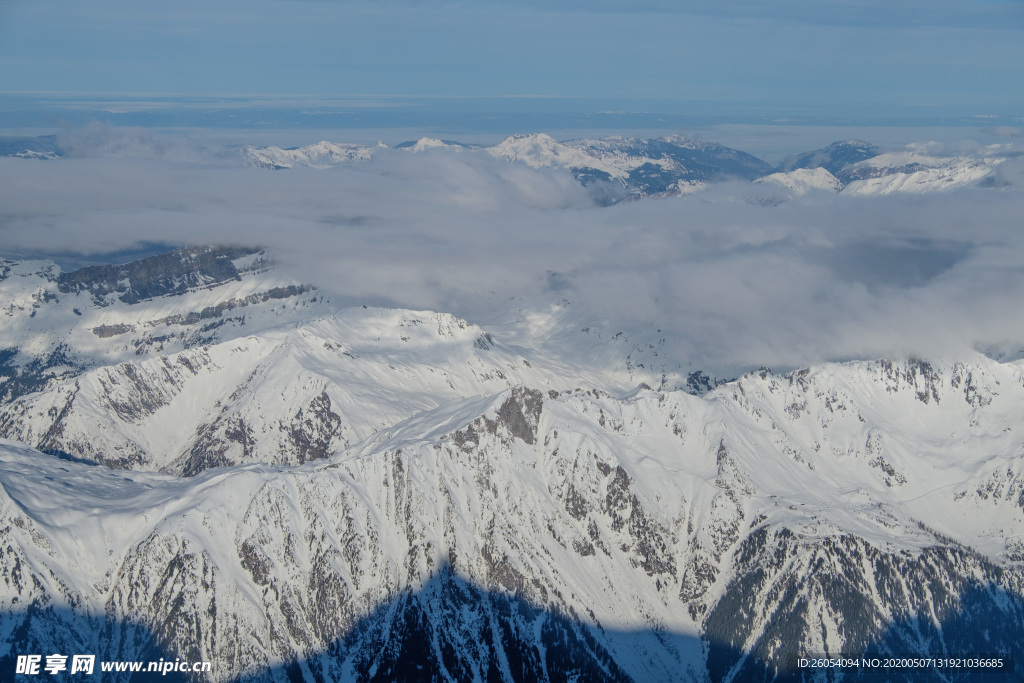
(732, 281)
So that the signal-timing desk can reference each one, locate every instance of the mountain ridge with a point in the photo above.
(327, 492)
(581, 495)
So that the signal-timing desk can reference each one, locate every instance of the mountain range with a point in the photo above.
(676, 165)
(633, 167)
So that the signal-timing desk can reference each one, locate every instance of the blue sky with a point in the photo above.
(821, 53)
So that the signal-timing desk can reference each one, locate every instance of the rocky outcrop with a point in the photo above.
(164, 274)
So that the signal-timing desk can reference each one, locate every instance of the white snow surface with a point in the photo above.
(917, 169)
(916, 173)
(538, 150)
(868, 449)
(321, 155)
(425, 143)
(803, 180)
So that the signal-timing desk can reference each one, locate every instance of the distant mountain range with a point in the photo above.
(675, 165)
(652, 167)
(41, 147)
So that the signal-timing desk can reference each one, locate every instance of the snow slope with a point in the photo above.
(322, 154)
(913, 172)
(801, 181)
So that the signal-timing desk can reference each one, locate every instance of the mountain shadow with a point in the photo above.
(792, 597)
(453, 630)
(45, 630)
(988, 623)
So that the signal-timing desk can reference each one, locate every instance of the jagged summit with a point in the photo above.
(678, 165)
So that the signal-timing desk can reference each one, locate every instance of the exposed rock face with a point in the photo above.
(519, 414)
(172, 273)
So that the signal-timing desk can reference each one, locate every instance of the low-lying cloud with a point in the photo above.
(730, 283)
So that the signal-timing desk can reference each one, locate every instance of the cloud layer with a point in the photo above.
(732, 284)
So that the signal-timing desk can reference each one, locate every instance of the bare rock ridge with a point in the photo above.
(164, 274)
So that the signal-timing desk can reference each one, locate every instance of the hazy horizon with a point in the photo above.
(837, 59)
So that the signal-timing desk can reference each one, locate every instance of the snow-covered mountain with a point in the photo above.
(290, 394)
(206, 357)
(802, 180)
(913, 172)
(644, 167)
(675, 165)
(426, 143)
(41, 147)
(57, 324)
(855, 167)
(658, 536)
(668, 165)
(380, 494)
(322, 154)
(833, 158)
(656, 167)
